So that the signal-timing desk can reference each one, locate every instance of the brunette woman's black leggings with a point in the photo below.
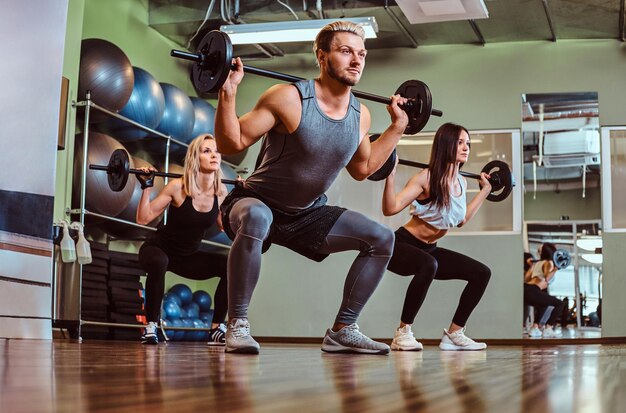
(425, 262)
(198, 266)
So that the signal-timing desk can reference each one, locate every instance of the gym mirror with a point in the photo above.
(562, 210)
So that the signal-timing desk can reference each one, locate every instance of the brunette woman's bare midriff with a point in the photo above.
(423, 231)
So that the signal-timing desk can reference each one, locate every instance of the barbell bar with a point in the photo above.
(119, 168)
(213, 63)
(501, 178)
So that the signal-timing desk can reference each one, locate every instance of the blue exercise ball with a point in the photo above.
(193, 310)
(188, 334)
(178, 116)
(106, 72)
(172, 297)
(207, 316)
(198, 335)
(203, 299)
(204, 121)
(145, 106)
(172, 334)
(171, 310)
(183, 291)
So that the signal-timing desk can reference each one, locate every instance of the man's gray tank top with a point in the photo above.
(296, 169)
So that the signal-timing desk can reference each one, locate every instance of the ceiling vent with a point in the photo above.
(431, 11)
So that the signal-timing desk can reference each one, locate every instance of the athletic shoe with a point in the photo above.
(150, 334)
(350, 340)
(217, 335)
(459, 341)
(558, 332)
(535, 332)
(548, 332)
(238, 338)
(403, 340)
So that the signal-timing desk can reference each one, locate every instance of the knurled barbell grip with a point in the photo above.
(424, 166)
(195, 57)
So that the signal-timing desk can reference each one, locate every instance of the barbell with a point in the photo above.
(501, 178)
(213, 63)
(119, 168)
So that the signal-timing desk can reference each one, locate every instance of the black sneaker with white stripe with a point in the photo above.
(217, 335)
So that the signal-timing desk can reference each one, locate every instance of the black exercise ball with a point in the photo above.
(99, 196)
(178, 117)
(105, 71)
(145, 106)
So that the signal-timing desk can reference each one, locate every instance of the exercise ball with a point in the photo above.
(207, 317)
(145, 106)
(171, 310)
(106, 72)
(172, 297)
(130, 212)
(204, 121)
(203, 300)
(99, 196)
(183, 291)
(178, 116)
(174, 335)
(192, 309)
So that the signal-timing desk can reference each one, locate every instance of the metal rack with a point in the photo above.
(76, 273)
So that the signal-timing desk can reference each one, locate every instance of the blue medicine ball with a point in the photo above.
(183, 291)
(203, 300)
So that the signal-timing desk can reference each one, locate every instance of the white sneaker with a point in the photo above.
(404, 340)
(150, 334)
(459, 341)
(349, 339)
(534, 332)
(238, 338)
(558, 332)
(548, 332)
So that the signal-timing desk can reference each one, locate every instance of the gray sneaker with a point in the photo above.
(350, 340)
(238, 338)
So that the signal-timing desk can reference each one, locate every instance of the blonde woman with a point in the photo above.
(193, 206)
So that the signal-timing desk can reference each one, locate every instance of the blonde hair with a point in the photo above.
(327, 33)
(192, 167)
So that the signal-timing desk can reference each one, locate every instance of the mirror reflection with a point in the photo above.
(563, 241)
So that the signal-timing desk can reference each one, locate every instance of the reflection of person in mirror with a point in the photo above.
(536, 280)
(437, 196)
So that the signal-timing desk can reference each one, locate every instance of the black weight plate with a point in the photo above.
(384, 171)
(420, 108)
(117, 170)
(561, 258)
(209, 75)
(502, 180)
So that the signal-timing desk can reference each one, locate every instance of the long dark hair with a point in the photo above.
(547, 251)
(442, 160)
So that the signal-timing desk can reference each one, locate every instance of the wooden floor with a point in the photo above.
(98, 376)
